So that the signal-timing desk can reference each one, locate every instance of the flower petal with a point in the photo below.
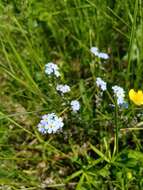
(132, 94)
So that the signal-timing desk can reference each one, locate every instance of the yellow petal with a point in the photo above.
(132, 94)
(140, 97)
(140, 92)
(136, 97)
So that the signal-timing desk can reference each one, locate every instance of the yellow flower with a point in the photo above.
(136, 97)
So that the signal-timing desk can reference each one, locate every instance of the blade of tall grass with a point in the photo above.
(132, 38)
(28, 80)
(4, 116)
(33, 54)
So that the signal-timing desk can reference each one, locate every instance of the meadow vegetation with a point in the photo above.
(97, 144)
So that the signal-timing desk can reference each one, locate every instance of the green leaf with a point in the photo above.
(99, 153)
(76, 174)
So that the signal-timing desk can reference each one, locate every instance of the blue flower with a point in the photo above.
(103, 55)
(52, 68)
(100, 83)
(96, 52)
(119, 93)
(50, 123)
(63, 88)
(75, 105)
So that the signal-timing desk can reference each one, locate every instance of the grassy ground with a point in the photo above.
(100, 147)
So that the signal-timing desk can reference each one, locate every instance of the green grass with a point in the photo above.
(99, 147)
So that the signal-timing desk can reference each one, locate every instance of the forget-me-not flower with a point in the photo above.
(52, 68)
(119, 93)
(96, 52)
(101, 84)
(50, 123)
(75, 105)
(63, 88)
(103, 55)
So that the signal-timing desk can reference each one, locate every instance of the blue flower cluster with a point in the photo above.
(50, 123)
(52, 68)
(100, 83)
(101, 55)
(75, 105)
(119, 93)
(63, 88)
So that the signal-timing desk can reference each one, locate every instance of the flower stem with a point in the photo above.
(116, 142)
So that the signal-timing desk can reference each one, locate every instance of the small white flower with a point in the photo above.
(120, 100)
(75, 105)
(103, 55)
(94, 50)
(101, 84)
(52, 68)
(63, 88)
(119, 93)
(50, 123)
